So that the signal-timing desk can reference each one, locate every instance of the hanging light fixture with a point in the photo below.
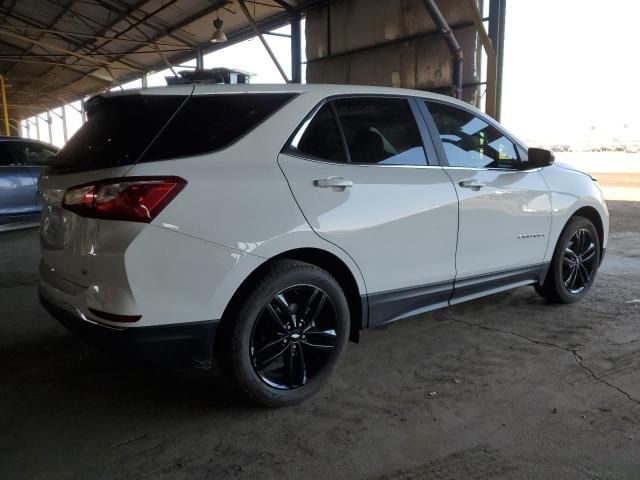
(218, 35)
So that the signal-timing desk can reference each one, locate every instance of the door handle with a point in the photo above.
(333, 182)
(472, 184)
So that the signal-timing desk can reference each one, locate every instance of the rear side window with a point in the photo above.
(380, 131)
(32, 154)
(320, 139)
(117, 131)
(6, 157)
(207, 123)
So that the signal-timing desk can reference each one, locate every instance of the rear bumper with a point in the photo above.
(192, 341)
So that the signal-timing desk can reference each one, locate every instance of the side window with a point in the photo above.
(380, 131)
(208, 123)
(32, 154)
(469, 141)
(320, 138)
(6, 157)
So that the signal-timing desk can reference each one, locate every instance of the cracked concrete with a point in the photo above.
(504, 387)
(574, 351)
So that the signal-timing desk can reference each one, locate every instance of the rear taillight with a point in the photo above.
(132, 199)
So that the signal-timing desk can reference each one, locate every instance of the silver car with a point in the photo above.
(21, 162)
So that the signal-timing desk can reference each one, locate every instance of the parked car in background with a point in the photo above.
(267, 225)
(21, 162)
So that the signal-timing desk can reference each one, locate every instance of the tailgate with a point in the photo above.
(68, 240)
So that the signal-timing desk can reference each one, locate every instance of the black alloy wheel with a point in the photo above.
(574, 264)
(286, 334)
(294, 336)
(579, 261)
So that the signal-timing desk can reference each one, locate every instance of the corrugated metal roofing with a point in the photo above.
(57, 51)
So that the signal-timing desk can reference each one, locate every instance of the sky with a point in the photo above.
(570, 71)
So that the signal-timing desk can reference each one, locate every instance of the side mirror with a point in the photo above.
(539, 157)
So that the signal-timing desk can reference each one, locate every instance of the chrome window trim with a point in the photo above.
(512, 170)
(441, 167)
(343, 164)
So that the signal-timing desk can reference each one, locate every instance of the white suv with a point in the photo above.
(264, 226)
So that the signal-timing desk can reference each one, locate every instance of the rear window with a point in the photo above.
(120, 129)
(117, 131)
(207, 123)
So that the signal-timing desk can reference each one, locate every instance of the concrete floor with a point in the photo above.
(500, 388)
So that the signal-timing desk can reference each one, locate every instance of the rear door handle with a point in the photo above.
(333, 182)
(472, 184)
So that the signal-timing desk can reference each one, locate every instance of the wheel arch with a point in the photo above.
(591, 214)
(358, 306)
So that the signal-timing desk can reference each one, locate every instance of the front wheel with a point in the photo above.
(289, 334)
(574, 264)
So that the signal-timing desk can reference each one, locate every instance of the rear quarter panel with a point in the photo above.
(239, 199)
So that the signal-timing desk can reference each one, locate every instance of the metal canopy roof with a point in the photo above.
(57, 51)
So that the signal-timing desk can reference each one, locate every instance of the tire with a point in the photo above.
(574, 265)
(298, 311)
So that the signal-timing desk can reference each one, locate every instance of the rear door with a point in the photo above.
(17, 187)
(505, 211)
(366, 181)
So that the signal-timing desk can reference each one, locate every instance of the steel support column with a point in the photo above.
(452, 43)
(497, 16)
(199, 58)
(5, 110)
(485, 40)
(49, 126)
(65, 131)
(257, 31)
(296, 47)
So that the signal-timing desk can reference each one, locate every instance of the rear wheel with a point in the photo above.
(289, 334)
(574, 264)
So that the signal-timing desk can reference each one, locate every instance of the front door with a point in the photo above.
(505, 212)
(359, 172)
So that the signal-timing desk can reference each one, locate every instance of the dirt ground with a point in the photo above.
(505, 387)
(626, 180)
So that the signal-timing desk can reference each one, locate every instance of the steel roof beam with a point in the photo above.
(119, 34)
(187, 21)
(236, 37)
(131, 11)
(45, 45)
(60, 35)
(53, 23)
(258, 33)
